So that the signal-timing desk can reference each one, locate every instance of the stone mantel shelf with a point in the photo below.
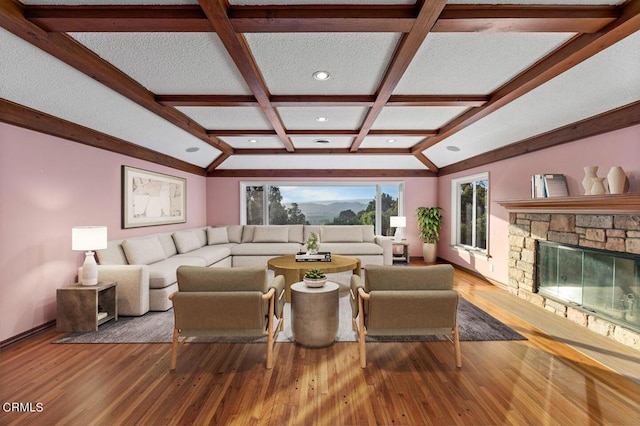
(589, 204)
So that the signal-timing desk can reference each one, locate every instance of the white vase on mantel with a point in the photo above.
(590, 172)
(598, 186)
(617, 179)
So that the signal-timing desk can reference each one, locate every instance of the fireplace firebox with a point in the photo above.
(603, 282)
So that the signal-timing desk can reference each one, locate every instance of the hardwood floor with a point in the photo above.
(538, 381)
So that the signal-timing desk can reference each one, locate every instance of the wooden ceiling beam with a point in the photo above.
(407, 48)
(69, 51)
(324, 151)
(241, 55)
(462, 18)
(321, 18)
(322, 100)
(619, 118)
(316, 132)
(572, 53)
(22, 116)
(320, 173)
(424, 160)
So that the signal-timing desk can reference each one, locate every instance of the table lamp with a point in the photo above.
(89, 238)
(398, 222)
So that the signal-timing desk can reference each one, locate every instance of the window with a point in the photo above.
(470, 209)
(345, 203)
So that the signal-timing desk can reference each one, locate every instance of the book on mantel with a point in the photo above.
(322, 256)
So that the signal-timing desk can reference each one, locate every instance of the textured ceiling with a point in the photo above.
(407, 82)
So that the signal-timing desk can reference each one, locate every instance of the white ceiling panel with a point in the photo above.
(334, 141)
(356, 61)
(322, 162)
(473, 63)
(170, 63)
(244, 142)
(63, 93)
(227, 118)
(416, 117)
(342, 118)
(541, 2)
(107, 2)
(608, 80)
(390, 141)
(298, 2)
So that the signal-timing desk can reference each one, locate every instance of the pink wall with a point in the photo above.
(223, 201)
(48, 185)
(510, 179)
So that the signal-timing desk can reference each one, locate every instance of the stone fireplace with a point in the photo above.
(615, 232)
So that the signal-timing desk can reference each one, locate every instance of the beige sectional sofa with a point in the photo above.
(145, 267)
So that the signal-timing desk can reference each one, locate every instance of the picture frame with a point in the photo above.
(152, 199)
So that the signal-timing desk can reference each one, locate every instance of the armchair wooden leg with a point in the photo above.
(174, 349)
(361, 334)
(456, 346)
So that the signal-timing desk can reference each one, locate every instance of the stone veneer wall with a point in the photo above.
(610, 232)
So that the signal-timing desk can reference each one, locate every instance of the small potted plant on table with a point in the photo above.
(315, 278)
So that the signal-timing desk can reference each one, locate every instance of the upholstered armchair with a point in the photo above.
(227, 302)
(405, 301)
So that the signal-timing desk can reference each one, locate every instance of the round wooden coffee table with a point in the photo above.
(293, 271)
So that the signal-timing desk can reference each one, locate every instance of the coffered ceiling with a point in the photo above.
(415, 88)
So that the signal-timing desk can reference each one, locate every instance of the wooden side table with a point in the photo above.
(83, 308)
(404, 257)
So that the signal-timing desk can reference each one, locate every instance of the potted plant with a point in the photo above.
(315, 278)
(312, 243)
(429, 223)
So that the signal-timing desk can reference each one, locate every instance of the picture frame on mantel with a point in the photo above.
(152, 199)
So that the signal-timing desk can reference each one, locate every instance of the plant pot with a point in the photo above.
(429, 252)
(314, 282)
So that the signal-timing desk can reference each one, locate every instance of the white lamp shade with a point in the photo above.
(398, 221)
(85, 238)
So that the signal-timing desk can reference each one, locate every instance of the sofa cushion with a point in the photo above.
(351, 248)
(143, 251)
(201, 233)
(167, 244)
(247, 233)
(112, 255)
(296, 234)
(262, 249)
(210, 254)
(186, 241)
(217, 235)
(271, 234)
(163, 274)
(234, 233)
(341, 234)
(368, 233)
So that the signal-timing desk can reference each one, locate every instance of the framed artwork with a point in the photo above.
(150, 198)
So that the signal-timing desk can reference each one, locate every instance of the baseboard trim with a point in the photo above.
(499, 284)
(28, 333)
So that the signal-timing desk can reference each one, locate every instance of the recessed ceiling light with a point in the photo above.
(321, 75)
(253, 140)
(193, 149)
(453, 148)
(321, 141)
(391, 140)
(322, 119)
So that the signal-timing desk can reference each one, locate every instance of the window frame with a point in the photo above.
(455, 213)
(378, 195)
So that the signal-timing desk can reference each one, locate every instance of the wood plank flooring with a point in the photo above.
(538, 381)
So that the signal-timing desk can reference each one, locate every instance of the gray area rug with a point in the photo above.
(156, 327)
